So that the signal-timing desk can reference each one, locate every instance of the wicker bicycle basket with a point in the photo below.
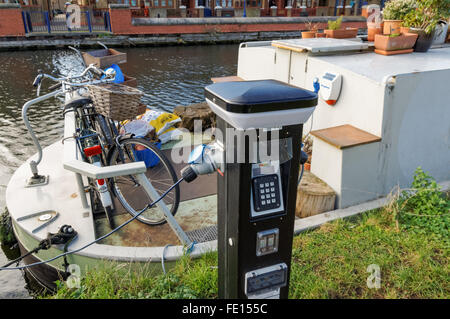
(116, 101)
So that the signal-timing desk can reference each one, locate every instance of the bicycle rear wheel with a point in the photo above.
(160, 173)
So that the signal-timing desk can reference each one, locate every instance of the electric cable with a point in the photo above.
(162, 258)
(98, 239)
(301, 175)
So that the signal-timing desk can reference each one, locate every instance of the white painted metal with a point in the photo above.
(403, 99)
(351, 172)
(263, 119)
(257, 62)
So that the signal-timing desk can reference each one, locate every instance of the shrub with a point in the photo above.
(398, 9)
(424, 208)
(427, 15)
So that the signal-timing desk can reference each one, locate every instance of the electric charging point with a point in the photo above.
(261, 126)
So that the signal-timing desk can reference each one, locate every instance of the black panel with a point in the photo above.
(238, 256)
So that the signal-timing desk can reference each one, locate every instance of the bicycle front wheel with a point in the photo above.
(160, 174)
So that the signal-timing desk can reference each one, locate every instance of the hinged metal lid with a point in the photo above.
(259, 96)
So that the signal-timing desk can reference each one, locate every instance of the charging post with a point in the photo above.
(259, 135)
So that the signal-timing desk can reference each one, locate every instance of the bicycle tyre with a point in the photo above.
(153, 216)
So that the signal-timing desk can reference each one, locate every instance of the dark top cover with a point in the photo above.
(259, 96)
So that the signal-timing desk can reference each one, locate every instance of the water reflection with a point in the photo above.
(169, 76)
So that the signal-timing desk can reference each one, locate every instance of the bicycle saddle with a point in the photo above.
(77, 101)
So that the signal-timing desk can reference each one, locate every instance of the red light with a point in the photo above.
(331, 102)
(91, 151)
(100, 182)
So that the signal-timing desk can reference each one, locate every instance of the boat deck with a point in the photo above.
(197, 215)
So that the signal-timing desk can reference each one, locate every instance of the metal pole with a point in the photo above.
(24, 22)
(33, 164)
(81, 190)
(88, 17)
(143, 180)
(47, 20)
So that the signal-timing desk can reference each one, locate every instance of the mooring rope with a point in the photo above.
(98, 239)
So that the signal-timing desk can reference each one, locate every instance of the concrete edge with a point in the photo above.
(240, 20)
(118, 6)
(10, 6)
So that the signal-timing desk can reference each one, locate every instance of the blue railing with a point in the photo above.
(44, 22)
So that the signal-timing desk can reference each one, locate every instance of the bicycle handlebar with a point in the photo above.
(110, 76)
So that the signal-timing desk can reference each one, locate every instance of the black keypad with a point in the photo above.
(266, 193)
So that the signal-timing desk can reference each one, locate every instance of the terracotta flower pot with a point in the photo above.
(321, 35)
(364, 12)
(342, 33)
(307, 166)
(308, 34)
(384, 44)
(404, 30)
(392, 26)
(372, 29)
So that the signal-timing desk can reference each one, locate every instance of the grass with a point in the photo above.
(329, 262)
(407, 240)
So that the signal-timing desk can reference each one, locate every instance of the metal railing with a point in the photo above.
(52, 22)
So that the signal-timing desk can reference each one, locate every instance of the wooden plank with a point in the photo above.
(233, 78)
(285, 47)
(345, 136)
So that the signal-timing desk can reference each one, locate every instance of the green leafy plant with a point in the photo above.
(6, 230)
(335, 25)
(398, 9)
(427, 15)
(424, 208)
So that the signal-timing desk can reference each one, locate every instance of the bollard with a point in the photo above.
(201, 11)
(273, 11)
(288, 11)
(183, 11)
(218, 11)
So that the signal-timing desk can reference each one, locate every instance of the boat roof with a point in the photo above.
(379, 67)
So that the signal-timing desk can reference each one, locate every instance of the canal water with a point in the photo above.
(169, 76)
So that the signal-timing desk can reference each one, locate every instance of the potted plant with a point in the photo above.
(321, 35)
(334, 30)
(424, 19)
(394, 13)
(312, 30)
(395, 44)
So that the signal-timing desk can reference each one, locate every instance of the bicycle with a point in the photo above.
(100, 143)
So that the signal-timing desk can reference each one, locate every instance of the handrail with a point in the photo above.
(73, 163)
(26, 106)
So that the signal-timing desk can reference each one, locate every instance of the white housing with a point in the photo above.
(273, 119)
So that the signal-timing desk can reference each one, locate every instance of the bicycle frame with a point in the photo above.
(73, 163)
